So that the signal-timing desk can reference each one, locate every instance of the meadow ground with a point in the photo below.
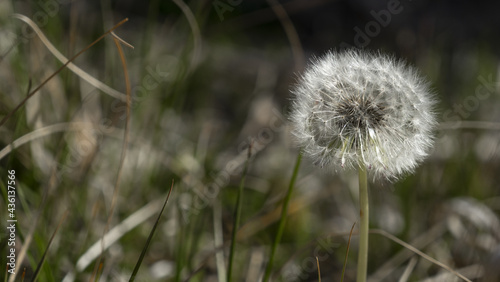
(206, 80)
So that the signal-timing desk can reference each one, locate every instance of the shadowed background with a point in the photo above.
(211, 79)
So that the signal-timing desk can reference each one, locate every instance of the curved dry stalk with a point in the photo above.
(409, 268)
(11, 113)
(291, 33)
(347, 253)
(420, 242)
(28, 239)
(44, 131)
(116, 189)
(418, 252)
(122, 41)
(196, 31)
(41, 132)
(78, 71)
(126, 132)
(114, 235)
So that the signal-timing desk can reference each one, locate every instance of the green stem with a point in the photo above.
(237, 216)
(179, 262)
(284, 211)
(363, 226)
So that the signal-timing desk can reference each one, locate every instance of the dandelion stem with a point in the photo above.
(284, 212)
(363, 226)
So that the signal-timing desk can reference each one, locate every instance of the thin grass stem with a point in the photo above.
(150, 237)
(42, 260)
(284, 212)
(237, 215)
(347, 253)
(58, 71)
(319, 270)
(418, 252)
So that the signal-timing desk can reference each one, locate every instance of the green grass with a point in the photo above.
(198, 101)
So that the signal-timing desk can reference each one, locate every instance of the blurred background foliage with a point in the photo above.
(209, 78)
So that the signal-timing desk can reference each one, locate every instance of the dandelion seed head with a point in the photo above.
(354, 107)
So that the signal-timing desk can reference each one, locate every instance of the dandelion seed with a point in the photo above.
(355, 107)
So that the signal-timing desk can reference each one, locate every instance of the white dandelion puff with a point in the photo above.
(354, 107)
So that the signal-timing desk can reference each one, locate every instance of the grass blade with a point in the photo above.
(40, 264)
(58, 71)
(100, 269)
(284, 212)
(116, 189)
(148, 242)
(347, 253)
(237, 215)
(72, 67)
